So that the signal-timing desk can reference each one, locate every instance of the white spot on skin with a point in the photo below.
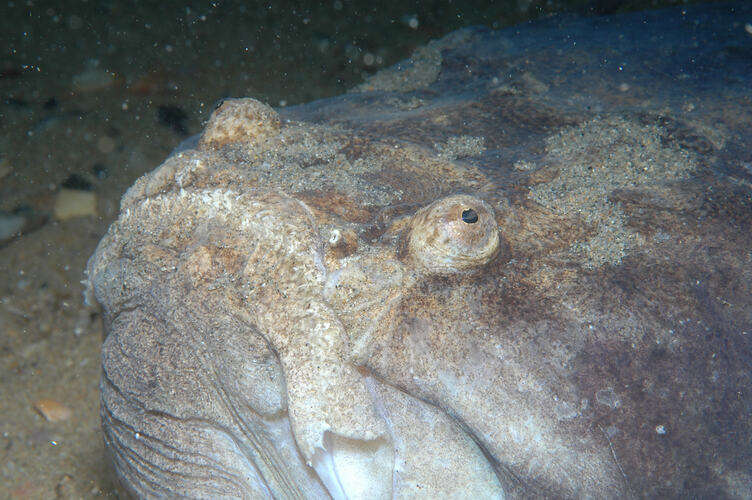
(334, 237)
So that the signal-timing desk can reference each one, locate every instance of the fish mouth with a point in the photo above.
(427, 453)
(355, 468)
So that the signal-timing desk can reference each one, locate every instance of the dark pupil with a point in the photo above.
(469, 216)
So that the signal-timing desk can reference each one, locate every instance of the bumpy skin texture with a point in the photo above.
(359, 299)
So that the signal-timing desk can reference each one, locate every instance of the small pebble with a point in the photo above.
(52, 411)
(72, 203)
(93, 79)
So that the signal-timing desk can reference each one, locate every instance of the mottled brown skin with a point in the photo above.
(310, 301)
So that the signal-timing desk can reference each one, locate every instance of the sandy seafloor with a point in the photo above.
(96, 94)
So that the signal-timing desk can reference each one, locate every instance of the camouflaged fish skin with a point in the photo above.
(475, 288)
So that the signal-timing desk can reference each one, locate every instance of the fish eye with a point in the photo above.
(469, 216)
(453, 234)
